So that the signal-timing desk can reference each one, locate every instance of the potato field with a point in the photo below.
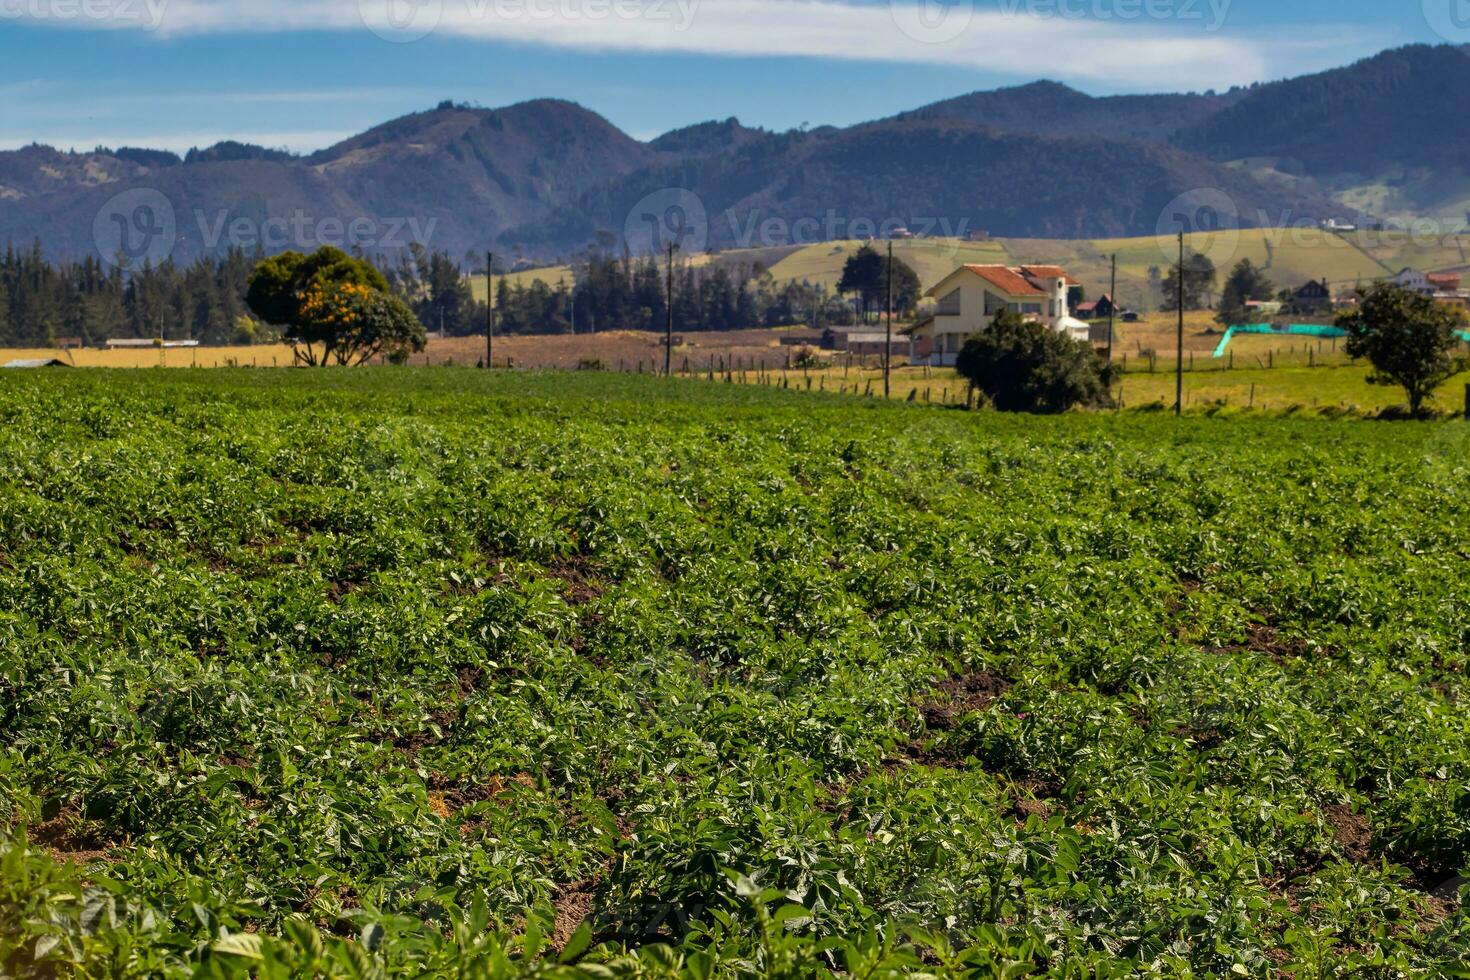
(413, 672)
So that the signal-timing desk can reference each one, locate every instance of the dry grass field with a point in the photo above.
(613, 350)
(551, 275)
(617, 350)
(1276, 373)
(1289, 256)
(626, 349)
(265, 355)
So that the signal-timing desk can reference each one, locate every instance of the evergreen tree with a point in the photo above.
(1245, 284)
(866, 274)
(1199, 280)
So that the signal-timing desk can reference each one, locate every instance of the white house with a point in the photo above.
(971, 296)
(1416, 282)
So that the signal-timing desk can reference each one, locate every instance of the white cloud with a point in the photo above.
(1123, 44)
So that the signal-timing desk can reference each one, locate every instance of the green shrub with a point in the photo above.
(1023, 366)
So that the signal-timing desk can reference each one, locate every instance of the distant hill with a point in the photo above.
(1399, 108)
(1380, 135)
(935, 176)
(1053, 109)
(706, 138)
(545, 178)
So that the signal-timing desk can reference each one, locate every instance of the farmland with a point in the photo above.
(1289, 256)
(613, 349)
(444, 672)
(1263, 372)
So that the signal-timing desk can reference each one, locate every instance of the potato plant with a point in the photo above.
(433, 672)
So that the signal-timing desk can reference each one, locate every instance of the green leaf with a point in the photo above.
(46, 944)
(242, 944)
(577, 944)
(371, 936)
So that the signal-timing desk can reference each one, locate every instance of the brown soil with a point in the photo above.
(1352, 832)
(70, 838)
(1265, 639)
(1032, 808)
(411, 745)
(340, 589)
(578, 576)
(959, 696)
(575, 904)
(470, 678)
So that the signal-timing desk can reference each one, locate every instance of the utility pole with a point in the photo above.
(888, 330)
(669, 332)
(1112, 304)
(1179, 354)
(489, 310)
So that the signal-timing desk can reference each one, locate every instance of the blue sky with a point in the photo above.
(304, 73)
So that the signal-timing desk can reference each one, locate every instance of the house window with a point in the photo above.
(1031, 308)
(993, 304)
(949, 304)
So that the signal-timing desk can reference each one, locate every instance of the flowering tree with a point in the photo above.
(358, 323)
(333, 308)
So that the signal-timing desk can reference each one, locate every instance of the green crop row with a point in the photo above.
(403, 672)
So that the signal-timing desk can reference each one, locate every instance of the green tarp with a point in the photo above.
(1294, 330)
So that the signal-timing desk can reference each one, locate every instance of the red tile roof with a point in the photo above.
(1008, 280)
(1048, 272)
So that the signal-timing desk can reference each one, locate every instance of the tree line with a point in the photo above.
(610, 292)
(43, 303)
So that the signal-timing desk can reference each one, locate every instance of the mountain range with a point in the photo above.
(1377, 140)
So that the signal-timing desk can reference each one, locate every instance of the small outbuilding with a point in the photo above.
(1098, 309)
(36, 362)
